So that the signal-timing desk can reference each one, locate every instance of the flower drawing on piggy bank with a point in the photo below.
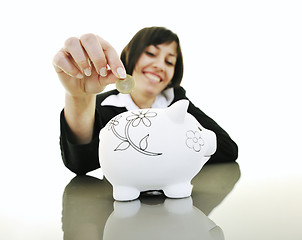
(113, 122)
(141, 116)
(194, 140)
(134, 120)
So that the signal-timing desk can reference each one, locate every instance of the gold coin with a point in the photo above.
(125, 85)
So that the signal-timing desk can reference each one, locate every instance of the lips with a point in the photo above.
(153, 77)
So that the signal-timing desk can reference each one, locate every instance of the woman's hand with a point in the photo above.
(82, 65)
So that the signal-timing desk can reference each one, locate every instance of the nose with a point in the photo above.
(159, 63)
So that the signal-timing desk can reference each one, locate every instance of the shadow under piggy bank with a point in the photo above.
(171, 219)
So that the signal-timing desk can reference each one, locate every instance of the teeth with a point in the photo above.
(153, 77)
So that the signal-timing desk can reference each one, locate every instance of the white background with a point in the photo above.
(242, 67)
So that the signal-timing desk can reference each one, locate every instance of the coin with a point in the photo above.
(125, 85)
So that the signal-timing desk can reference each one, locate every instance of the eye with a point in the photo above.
(199, 128)
(150, 53)
(169, 63)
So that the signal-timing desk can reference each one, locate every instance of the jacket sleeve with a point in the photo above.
(83, 158)
(227, 149)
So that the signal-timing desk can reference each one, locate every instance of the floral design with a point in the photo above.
(133, 120)
(114, 122)
(194, 140)
(141, 116)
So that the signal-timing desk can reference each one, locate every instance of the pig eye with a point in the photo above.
(199, 129)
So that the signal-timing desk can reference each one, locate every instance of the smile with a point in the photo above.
(153, 77)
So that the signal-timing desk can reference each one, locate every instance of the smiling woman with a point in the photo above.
(153, 72)
(154, 58)
(149, 39)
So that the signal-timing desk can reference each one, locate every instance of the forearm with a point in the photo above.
(79, 113)
(227, 150)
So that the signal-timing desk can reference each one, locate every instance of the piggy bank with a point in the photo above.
(154, 149)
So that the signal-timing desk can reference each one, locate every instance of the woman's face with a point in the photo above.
(154, 69)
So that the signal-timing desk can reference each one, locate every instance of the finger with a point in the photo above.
(74, 47)
(110, 78)
(62, 63)
(113, 59)
(95, 53)
(104, 81)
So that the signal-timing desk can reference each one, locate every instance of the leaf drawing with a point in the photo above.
(143, 144)
(122, 146)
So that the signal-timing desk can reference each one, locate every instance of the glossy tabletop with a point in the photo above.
(223, 205)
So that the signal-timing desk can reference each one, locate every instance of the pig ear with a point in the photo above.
(177, 111)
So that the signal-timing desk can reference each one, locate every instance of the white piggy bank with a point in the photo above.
(154, 149)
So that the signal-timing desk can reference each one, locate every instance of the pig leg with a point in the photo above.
(179, 190)
(125, 193)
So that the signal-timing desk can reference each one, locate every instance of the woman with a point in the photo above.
(154, 58)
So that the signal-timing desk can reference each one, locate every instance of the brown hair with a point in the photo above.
(152, 36)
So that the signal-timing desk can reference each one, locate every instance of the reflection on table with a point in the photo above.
(90, 213)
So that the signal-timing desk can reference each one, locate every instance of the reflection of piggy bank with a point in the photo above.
(154, 149)
(172, 219)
